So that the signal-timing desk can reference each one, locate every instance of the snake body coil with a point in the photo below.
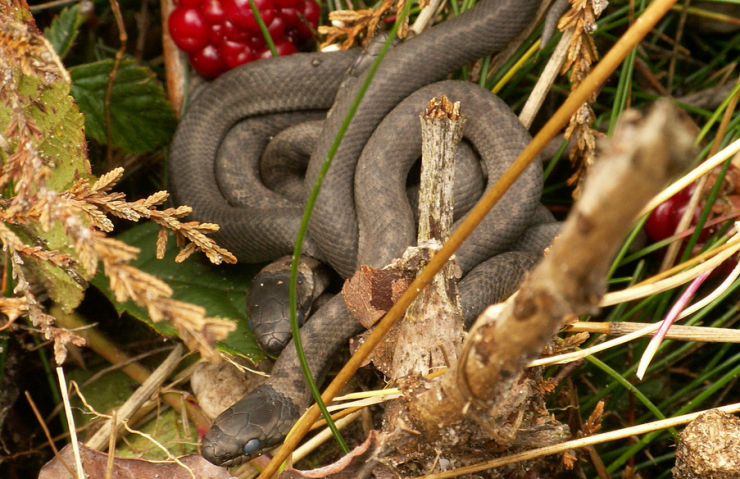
(361, 214)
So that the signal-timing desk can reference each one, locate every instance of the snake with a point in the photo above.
(361, 215)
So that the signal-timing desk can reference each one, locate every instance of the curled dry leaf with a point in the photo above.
(355, 464)
(95, 466)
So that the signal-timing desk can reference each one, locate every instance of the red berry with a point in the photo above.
(290, 17)
(213, 11)
(292, 36)
(659, 224)
(232, 32)
(208, 62)
(310, 11)
(189, 3)
(282, 46)
(216, 34)
(235, 53)
(287, 3)
(256, 42)
(241, 14)
(663, 221)
(188, 28)
(276, 27)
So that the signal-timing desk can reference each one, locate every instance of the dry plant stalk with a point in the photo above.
(30, 207)
(582, 53)
(489, 388)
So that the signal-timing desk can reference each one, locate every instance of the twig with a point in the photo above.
(426, 16)
(568, 282)
(57, 3)
(175, 61)
(322, 437)
(432, 332)
(111, 353)
(70, 423)
(677, 41)
(435, 316)
(681, 333)
(547, 78)
(44, 428)
(132, 404)
(146, 436)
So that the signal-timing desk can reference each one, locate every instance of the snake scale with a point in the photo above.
(362, 214)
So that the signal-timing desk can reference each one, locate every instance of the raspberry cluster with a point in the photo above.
(219, 35)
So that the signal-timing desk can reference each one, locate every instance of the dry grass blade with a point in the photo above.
(716, 160)
(718, 256)
(578, 443)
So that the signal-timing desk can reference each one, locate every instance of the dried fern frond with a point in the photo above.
(357, 27)
(34, 206)
(582, 54)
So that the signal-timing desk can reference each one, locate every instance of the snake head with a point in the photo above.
(267, 300)
(258, 421)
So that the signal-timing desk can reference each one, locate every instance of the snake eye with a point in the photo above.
(252, 446)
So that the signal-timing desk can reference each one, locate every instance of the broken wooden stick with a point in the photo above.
(431, 334)
(488, 387)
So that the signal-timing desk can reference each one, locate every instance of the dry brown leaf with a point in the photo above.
(95, 464)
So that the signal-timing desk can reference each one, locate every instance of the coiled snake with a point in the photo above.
(362, 215)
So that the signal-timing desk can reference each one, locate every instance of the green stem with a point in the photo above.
(263, 29)
(307, 215)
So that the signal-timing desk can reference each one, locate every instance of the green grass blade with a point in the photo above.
(307, 216)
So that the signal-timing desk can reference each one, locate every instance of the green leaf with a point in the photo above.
(219, 289)
(141, 117)
(63, 29)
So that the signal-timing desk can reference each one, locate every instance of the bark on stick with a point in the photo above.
(432, 332)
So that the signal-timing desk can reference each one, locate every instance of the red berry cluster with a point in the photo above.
(219, 35)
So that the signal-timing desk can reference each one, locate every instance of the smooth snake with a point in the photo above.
(362, 214)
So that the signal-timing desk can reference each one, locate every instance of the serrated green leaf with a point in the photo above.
(63, 29)
(219, 289)
(141, 117)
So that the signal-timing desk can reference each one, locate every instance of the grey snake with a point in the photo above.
(362, 214)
